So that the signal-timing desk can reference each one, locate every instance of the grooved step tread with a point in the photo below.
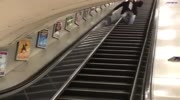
(97, 90)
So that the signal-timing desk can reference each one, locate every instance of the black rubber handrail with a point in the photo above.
(34, 78)
(143, 49)
(149, 72)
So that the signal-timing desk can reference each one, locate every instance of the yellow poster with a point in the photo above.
(23, 49)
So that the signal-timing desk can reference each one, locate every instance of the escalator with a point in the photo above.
(111, 72)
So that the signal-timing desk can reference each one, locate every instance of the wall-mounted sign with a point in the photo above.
(56, 30)
(107, 5)
(69, 23)
(102, 7)
(92, 11)
(3, 62)
(78, 18)
(23, 49)
(85, 14)
(98, 9)
(42, 38)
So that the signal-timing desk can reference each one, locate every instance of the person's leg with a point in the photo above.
(132, 18)
(124, 16)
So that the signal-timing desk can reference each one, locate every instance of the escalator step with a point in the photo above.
(111, 66)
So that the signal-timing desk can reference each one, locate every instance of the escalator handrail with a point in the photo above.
(143, 49)
(149, 73)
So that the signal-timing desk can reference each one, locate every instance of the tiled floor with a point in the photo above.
(166, 78)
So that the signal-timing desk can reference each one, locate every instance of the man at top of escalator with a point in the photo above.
(129, 8)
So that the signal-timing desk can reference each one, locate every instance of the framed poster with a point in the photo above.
(23, 49)
(42, 38)
(92, 10)
(85, 14)
(101, 7)
(107, 5)
(69, 23)
(3, 62)
(56, 30)
(78, 17)
(98, 9)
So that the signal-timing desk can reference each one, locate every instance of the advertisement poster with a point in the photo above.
(42, 38)
(102, 7)
(78, 18)
(107, 5)
(98, 9)
(56, 30)
(85, 14)
(92, 11)
(69, 23)
(3, 62)
(23, 49)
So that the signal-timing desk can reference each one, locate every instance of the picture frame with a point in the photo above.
(69, 23)
(23, 49)
(85, 14)
(98, 9)
(92, 9)
(78, 18)
(57, 30)
(107, 5)
(42, 39)
(102, 7)
(3, 62)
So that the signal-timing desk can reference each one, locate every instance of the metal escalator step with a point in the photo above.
(121, 44)
(127, 35)
(126, 38)
(83, 98)
(123, 41)
(86, 92)
(109, 55)
(120, 47)
(126, 32)
(105, 78)
(113, 60)
(118, 51)
(99, 71)
(140, 24)
(111, 66)
(129, 26)
(101, 85)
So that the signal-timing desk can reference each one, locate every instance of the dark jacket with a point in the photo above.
(125, 6)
